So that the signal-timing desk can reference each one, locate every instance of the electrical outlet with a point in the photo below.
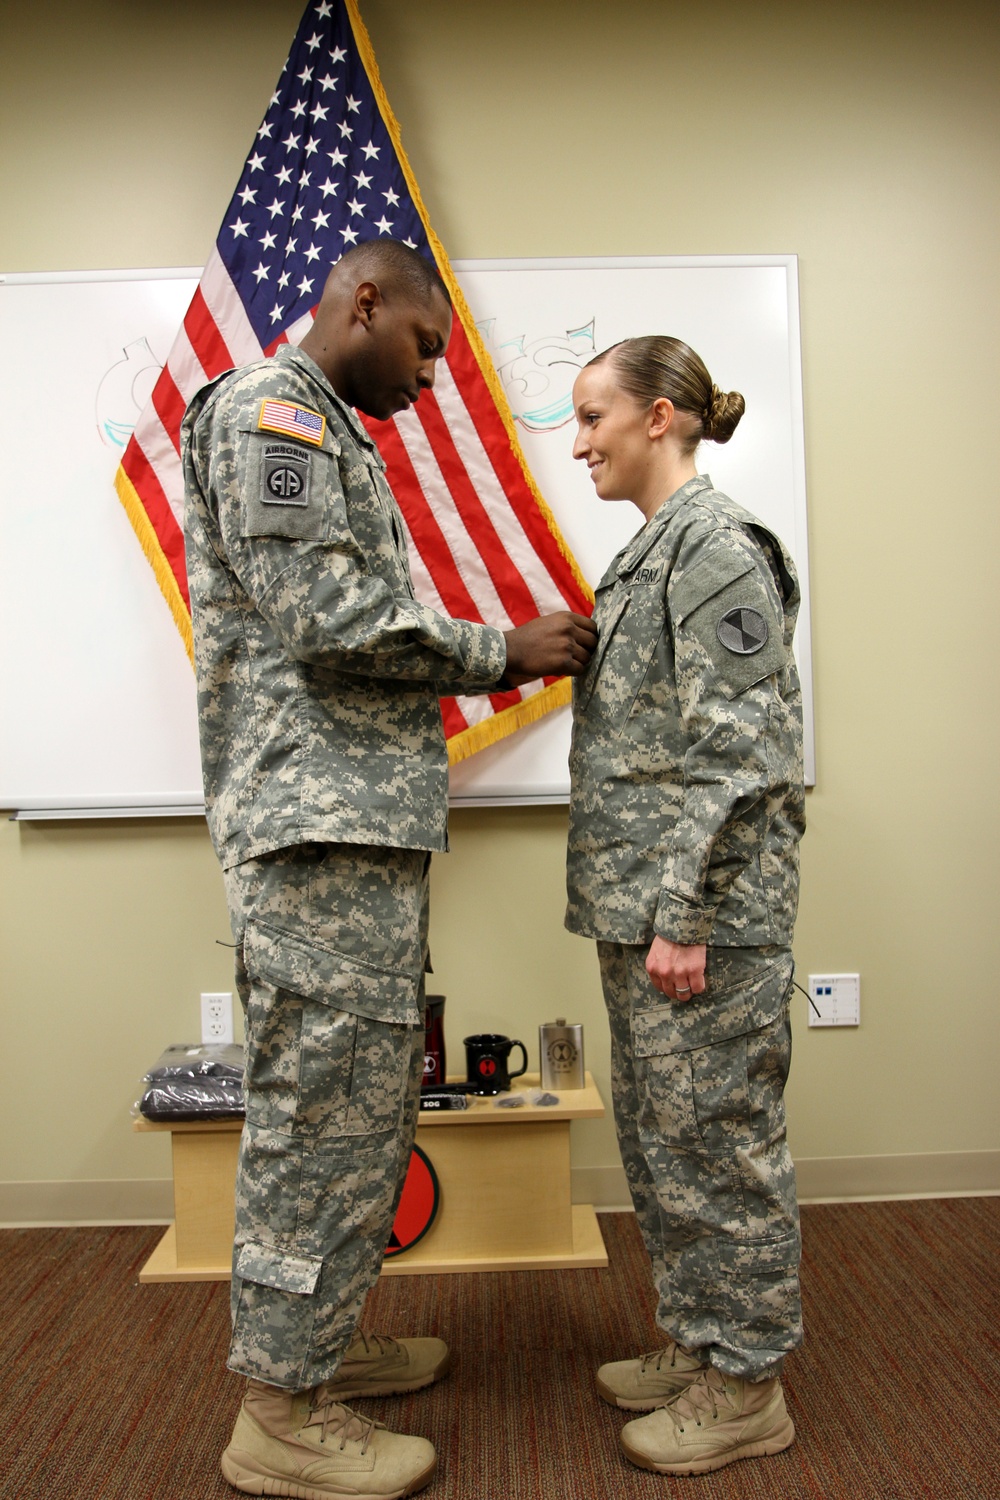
(217, 1018)
(834, 999)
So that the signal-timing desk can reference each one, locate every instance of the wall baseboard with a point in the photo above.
(604, 1187)
(138, 1200)
(821, 1179)
(840, 1179)
(933, 1174)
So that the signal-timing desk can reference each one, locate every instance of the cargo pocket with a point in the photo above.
(745, 989)
(711, 1114)
(266, 1266)
(699, 1099)
(274, 1314)
(758, 1283)
(666, 1101)
(330, 1038)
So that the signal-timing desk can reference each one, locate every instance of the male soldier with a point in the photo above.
(326, 788)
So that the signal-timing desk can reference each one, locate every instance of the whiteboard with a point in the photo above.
(99, 705)
(97, 690)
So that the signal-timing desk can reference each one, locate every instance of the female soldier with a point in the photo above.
(685, 814)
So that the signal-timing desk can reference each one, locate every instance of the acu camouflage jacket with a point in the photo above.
(687, 801)
(318, 671)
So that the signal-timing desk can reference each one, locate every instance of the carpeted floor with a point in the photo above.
(116, 1391)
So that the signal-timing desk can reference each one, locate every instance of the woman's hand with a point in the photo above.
(676, 969)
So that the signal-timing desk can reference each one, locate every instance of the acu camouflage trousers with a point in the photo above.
(699, 1107)
(330, 948)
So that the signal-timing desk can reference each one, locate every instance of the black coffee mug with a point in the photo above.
(486, 1057)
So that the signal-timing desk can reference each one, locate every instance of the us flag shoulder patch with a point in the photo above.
(294, 421)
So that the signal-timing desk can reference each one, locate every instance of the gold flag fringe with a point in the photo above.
(458, 297)
(494, 729)
(149, 542)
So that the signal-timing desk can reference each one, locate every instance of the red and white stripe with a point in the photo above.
(480, 547)
(215, 335)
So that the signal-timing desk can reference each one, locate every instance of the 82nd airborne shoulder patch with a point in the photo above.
(743, 631)
(285, 475)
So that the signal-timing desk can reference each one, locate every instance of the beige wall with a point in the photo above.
(862, 138)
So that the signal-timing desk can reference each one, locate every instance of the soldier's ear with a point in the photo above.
(661, 416)
(367, 300)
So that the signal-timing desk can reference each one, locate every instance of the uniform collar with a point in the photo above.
(635, 551)
(292, 354)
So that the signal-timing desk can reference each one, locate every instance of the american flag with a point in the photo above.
(327, 171)
(285, 416)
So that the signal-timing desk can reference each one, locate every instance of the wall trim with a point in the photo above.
(841, 1179)
(137, 1200)
(933, 1174)
(604, 1187)
(821, 1179)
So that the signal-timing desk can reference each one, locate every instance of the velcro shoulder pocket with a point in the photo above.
(696, 585)
(295, 963)
(288, 489)
(741, 633)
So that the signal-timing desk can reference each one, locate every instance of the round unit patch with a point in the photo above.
(418, 1205)
(743, 630)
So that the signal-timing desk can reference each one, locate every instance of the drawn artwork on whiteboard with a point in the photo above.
(124, 390)
(538, 373)
(99, 695)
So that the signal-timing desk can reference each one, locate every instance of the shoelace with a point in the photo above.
(383, 1344)
(657, 1357)
(338, 1418)
(696, 1399)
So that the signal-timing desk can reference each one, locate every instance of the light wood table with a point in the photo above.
(505, 1192)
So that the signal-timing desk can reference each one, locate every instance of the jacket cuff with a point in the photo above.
(679, 922)
(487, 654)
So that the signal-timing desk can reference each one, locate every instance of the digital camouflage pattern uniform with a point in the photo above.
(686, 809)
(325, 773)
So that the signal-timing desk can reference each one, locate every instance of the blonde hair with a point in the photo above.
(657, 365)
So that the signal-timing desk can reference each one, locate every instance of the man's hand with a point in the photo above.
(676, 970)
(558, 645)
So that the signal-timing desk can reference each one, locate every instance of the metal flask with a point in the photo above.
(560, 1048)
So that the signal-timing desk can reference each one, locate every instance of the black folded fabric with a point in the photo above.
(191, 1082)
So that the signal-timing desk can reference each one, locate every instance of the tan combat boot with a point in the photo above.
(716, 1420)
(306, 1444)
(378, 1366)
(643, 1384)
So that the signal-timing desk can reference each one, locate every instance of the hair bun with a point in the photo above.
(722, 415)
